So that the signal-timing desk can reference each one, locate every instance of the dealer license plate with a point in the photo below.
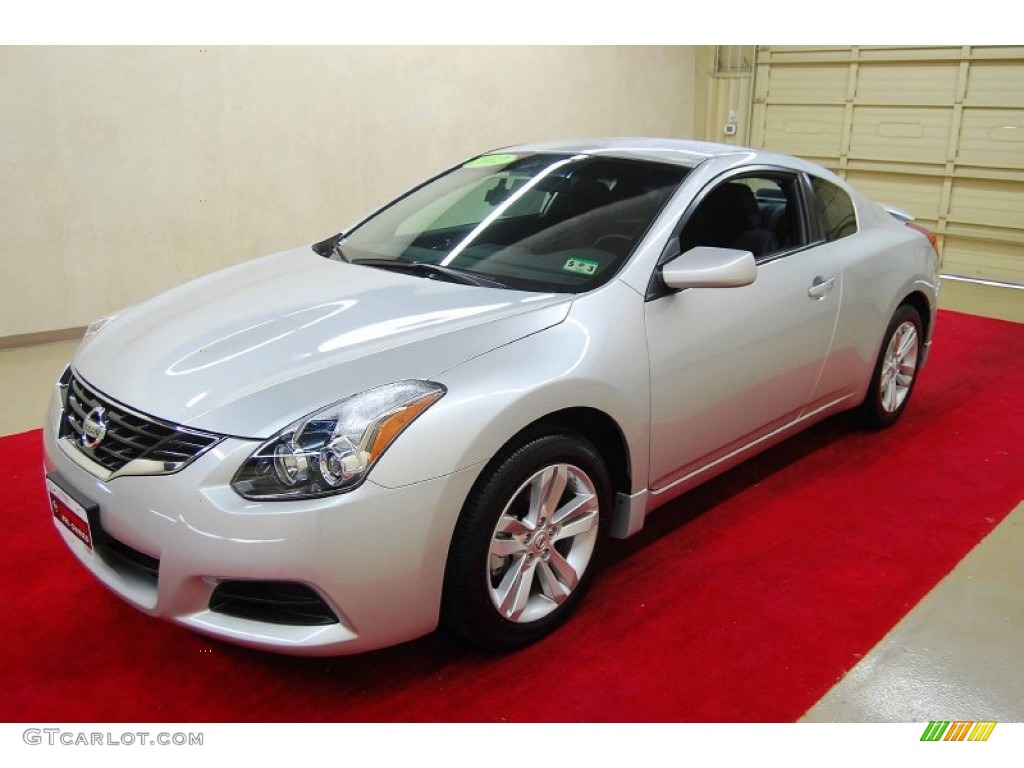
(69, 513)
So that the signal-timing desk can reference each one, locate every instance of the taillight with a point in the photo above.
(927, 233)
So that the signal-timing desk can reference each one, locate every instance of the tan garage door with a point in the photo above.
(938, 131)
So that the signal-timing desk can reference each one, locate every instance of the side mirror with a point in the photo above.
(707, 267)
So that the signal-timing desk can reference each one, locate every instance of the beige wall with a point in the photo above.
(126, 170)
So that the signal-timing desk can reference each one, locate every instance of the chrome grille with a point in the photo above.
(159, 446)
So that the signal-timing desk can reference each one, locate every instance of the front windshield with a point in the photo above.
(537, 222)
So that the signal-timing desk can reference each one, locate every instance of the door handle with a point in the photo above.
(820, 287)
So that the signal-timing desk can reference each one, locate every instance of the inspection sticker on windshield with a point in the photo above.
(485, 160)
(581, 266)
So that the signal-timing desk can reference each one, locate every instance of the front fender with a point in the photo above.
(596, 358)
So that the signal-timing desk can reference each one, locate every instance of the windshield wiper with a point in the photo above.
(462, 276)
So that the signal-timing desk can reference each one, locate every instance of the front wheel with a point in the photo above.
(525, 546)
(896, 369)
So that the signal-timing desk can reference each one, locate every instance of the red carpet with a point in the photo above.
(744, 601)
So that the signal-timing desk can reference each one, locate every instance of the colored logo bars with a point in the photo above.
(959, 730)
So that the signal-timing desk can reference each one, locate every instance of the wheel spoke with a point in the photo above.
(577, 516)
(514, 590)
(889, 398)
(892, 352)
(897, 340)
(513, 526)
(545, 492)
(909, 356)
(550, 584)
(561, 568)
(907, 342)
(505, 547)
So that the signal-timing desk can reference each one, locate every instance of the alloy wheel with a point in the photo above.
(899, 367)
(543, 542)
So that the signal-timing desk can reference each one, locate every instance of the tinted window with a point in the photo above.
(752, 213)
(835, 209)
(544, 222)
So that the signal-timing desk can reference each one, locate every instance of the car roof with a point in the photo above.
(675, 151)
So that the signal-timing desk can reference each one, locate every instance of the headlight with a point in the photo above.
(333, 449)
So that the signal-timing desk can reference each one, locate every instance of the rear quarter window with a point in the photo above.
(835, 208)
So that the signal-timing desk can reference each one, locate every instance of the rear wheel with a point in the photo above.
(895, 374)
(525, 548)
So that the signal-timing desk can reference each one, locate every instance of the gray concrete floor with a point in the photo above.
(959, 654)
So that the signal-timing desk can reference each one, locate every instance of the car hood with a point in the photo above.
(250, 349)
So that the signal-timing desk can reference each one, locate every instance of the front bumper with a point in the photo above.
(375, 555)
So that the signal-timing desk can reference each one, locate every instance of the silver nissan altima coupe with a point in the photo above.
(441, 415)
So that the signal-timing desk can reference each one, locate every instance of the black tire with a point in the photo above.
(887, 395)
(475, 575)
